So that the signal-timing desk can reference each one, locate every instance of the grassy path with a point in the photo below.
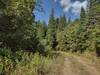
(74, 65)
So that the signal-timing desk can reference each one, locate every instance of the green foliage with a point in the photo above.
(1, 67)
(41, 30)
(62, 23)
(27, 63)
(19, 31)
(66, 39)
(5, 52)
(51, 32)
(88, 23)
(82, 33)
(96, 39)
(32, 65)
(16, 25)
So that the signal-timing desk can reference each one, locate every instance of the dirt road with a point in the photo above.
(74, 65)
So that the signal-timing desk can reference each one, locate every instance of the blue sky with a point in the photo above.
(70, 8)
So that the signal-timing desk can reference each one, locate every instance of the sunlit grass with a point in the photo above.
(26, 63)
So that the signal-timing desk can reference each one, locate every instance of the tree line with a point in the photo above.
(78, 36)
(20, 31)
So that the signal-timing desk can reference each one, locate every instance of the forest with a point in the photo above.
(29, 47)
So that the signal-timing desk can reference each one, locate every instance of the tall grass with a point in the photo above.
(27, 63)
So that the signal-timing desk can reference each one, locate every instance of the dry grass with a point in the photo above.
(90, 58)
(57, 66)
(80, 64)
(32, 64)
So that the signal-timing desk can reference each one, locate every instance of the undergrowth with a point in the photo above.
(27, 63)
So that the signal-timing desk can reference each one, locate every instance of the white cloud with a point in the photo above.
(66, 4)
(74, 6)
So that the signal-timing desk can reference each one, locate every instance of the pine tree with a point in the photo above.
(66, 39)
(87, 26)
(63, 23)
(94, 21)
(81, 34)
(82, 16)
(51, 33)
(94, 13)
(41, 30)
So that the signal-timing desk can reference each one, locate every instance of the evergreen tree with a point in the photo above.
(66, 39)
(94, 21)
(94, 13)
(82, 16)
(51, 33)
(57, 24)
(85, 36)
(41, 35)
(81, 33)
(41, 30)
(62, 22)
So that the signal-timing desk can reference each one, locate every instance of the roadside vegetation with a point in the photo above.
(27, 63)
